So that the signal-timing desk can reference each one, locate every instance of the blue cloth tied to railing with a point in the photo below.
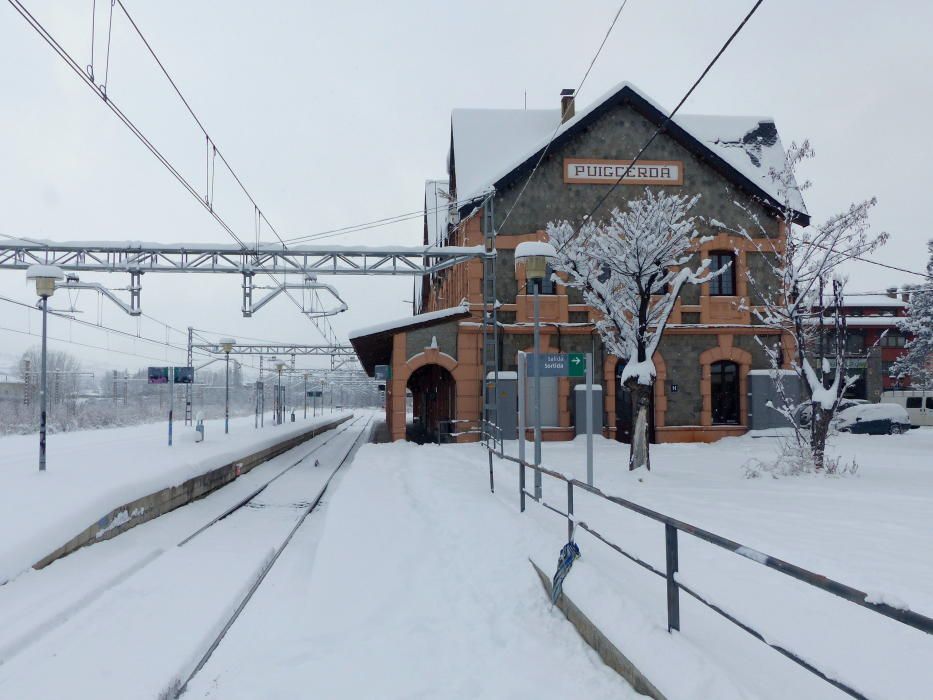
(568, 553)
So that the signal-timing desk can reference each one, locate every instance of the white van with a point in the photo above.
(919, 404)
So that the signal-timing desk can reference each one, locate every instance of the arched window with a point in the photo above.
(724, 392)
(724, 284)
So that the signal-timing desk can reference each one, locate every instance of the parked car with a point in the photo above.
(919, 404)
(873, 419)
(804, 412)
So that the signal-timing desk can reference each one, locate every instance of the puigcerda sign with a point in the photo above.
(597, 171)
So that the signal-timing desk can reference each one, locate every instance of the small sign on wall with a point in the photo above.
(595, 171)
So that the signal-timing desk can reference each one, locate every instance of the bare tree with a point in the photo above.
(631, 269)
(799, 266)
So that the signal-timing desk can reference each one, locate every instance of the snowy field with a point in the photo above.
(412, 580)
(871, 531)
(91, 472)
(418, 584)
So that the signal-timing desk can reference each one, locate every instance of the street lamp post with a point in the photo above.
(227, 345)
(45, 276)
(280, 418)
(536, 255)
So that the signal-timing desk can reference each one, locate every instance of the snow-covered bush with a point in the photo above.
(795, 458)
(631, 270)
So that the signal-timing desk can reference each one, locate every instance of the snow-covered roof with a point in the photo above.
(436, 201)
(855, 299)
(751, 145)
(863, 321)
(489, 144)
(418, 319)
(373, 344)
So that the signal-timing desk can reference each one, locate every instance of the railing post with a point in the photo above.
(673, 592)
(521, 485)
(569, 511)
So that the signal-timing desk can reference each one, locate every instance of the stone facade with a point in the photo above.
(705, 329)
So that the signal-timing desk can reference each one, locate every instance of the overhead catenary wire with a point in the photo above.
(101, 91)
(109, 330)
(547, 146)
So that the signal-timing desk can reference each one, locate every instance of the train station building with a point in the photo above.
(713, 342)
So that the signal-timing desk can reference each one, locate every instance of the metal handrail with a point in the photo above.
(672, 526)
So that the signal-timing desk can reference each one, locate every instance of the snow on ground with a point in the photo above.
(419, 586)
(129, 616)
(871, 531)
(91, 472)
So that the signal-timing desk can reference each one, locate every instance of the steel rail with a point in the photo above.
(268, 567)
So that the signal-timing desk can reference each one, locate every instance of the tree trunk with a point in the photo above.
(819, 430)
(641, 404)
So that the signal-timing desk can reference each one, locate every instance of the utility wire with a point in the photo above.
(216, 150)
(561, 121)
(101, 91)
(667, 119)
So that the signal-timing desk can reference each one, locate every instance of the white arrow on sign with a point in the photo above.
(576, 360)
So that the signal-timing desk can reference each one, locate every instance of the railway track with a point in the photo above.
(307, 509)
(175, 605)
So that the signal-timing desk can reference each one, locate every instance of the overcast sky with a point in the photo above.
(336, 113)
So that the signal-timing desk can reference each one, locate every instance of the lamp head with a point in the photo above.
(227, 344)
(45, 276)
(536, 255)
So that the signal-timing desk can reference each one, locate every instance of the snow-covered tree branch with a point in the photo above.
(631, 270)
(919, 325)
(800, 265)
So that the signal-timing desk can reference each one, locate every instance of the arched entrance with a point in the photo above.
(433, 391)
(624, 414)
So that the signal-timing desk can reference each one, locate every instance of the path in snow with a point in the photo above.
(411, 582)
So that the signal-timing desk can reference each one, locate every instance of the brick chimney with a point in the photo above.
(566, 104)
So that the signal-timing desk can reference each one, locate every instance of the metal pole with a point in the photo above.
(673, 590)
(227, 395)
(42, 387)
(537, 365)
(189, 410)
(589, 419)
(306, 396)
(522, 371)
(171, 402)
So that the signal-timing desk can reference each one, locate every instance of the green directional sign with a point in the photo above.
(554, 364)
(576, 365)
